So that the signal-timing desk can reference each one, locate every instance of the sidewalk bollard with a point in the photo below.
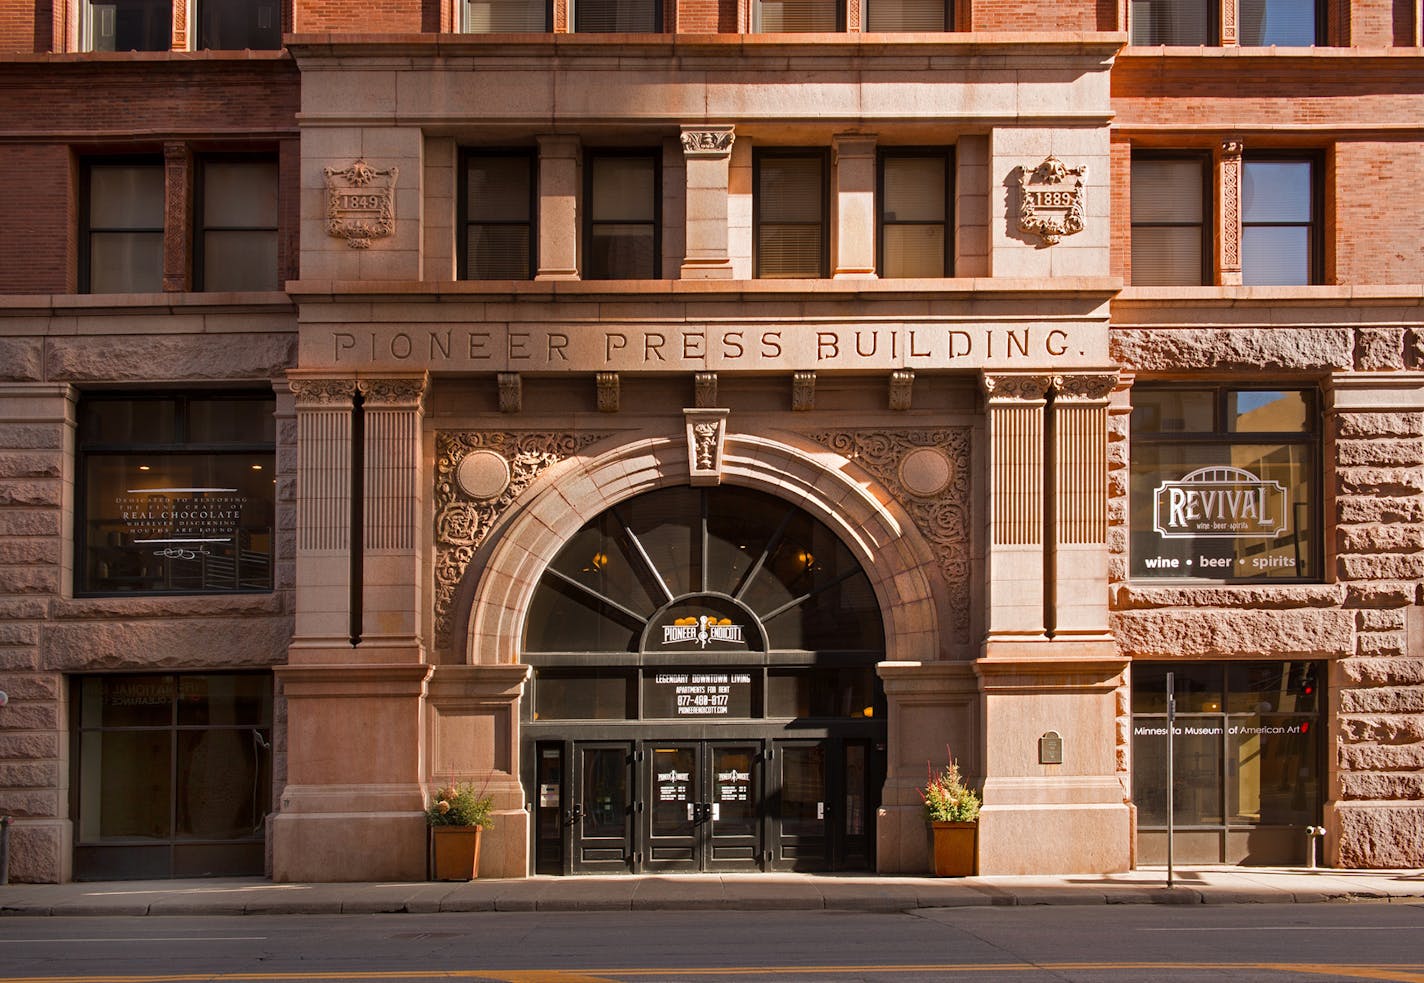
(4, 850)
(1312, 833)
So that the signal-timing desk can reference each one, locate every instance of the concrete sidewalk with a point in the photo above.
(256, 896)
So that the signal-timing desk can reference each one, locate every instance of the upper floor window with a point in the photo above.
(1173, 22)
(1224, 483)
(127, 25)
(890, 16)
(176, 493)
(1280, 222)
(234, 25)
(797, 16)
(621, 240)
(1284, 23)
(617, 16)
(790, 214)
(1169, 227)
(498, 216)
(121, 241)
(237, 223)
(504, 16)
(914, 200)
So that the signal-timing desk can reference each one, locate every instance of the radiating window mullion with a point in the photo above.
(643, 556)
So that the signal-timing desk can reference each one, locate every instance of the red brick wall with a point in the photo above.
(40, 193)
(1120, 194)
(707, 16)
(361, 16)
(1379, 207)
(1035, 15)
(215, 103)
(23, 25)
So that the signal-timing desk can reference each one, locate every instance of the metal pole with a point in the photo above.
(1171, 728)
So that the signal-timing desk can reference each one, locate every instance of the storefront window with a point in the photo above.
(1246, 744)
(174, 774)
(1224, 484)
(177, 494)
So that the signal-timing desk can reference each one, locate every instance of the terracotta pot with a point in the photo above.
(956, 849)
(455, 852)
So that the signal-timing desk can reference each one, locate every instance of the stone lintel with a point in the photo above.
(478, 685)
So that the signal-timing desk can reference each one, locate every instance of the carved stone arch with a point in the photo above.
(895, 558)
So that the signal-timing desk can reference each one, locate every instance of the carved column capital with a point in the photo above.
(393, 393)
(708, 141)
(323, 393)
(1086, 387)
(1017, 387)
(1232, 148)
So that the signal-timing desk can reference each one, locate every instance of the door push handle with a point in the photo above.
(573, 815)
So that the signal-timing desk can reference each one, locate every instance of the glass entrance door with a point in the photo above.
(800, 807)
(705, 811)
(600, 818)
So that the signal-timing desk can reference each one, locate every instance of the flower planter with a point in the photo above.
(455, 852)
(956, 849)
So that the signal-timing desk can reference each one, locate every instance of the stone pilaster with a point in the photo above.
(1228, 212)
(177, 216)
(1015, 578)
(1228, 23)
(394, 504)
(707, 151)
(1375, 438)
(324, 434)
(1080, 505)
(855, 205)
(558, 208)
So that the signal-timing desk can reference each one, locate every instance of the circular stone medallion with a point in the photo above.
(925, 471)
(483, 475)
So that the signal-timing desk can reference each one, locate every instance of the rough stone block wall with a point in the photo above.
(1366, 620)
(1373, 191)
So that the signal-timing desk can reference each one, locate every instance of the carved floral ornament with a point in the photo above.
(360, 203)
(1023, 387)
(940, 509)
(1093, 387)
(710, 141)
(401, 393)
(1052, 199)
(323, 392)
(464, 516)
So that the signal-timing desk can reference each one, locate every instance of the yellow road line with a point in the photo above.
(1377, 971)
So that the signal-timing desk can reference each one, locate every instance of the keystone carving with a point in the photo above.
(1052, 199)
(706, 433)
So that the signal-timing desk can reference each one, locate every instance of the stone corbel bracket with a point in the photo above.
(706, 435)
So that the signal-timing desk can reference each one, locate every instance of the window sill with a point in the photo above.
(169, 606)
(1139, 597)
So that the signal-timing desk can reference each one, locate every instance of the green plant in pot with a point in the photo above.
(457, 816)
(952, 809)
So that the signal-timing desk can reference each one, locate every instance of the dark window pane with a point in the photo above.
(605, 792)
(240, 260)
(232, 25)
(1167, 257)
(790, 203)
(1157, 411)
(592, 694)
(1168, 210)
(1196, 687)
(498, 252)
(1167, 190)
(129, 25)
(732, 771)
(1275, 769)
(797, 16)
(1171, 22)
(128, 421)
(564, 619)
(1286, 23)
(803, 791)
(675, 784)
(127, 701)
(622, 210)
(505, 16)
(497, 188)
(231, 421)
(907, 15)
(125, 785)
(623, 16)
(240, 194)
(1196, 762)
(224, 778)
(126, 196)
(1273, 687)
(125, 262)
(499, 234)
(913, 216)
(228, 700)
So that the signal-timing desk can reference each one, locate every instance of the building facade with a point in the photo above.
(689, 422)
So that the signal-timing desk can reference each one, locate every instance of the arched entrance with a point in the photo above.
(704, 694)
